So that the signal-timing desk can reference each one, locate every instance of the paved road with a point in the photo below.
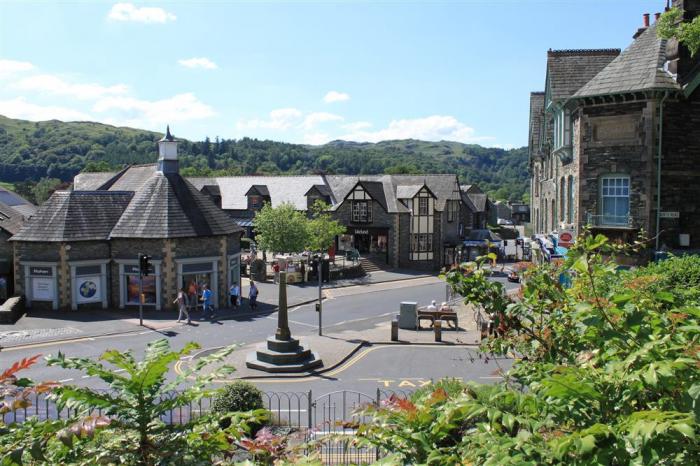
(397, 367)
(356, 309)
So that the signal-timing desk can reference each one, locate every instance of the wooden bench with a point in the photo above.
(447, 316)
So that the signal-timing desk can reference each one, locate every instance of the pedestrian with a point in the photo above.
(432, 306)
(192, 296)
(181, 302)
(253, 296)
(302, 269)
(208, 307)
(234, 292)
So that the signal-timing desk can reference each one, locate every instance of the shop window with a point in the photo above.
(88, 284)
(361, 212)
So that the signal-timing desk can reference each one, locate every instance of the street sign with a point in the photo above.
(669, 214)
(566, 238)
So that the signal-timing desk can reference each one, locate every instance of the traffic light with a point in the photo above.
(144, 264)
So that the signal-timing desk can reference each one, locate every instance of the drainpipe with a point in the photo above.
(658, 167)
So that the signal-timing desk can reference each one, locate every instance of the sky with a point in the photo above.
(302, 72)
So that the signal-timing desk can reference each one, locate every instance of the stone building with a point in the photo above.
(620, 151)
(14, 210)
(382, 222)
(80, 249)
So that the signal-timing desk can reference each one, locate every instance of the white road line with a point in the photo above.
(86, 377)
(65, 380)
(295, 322)
(494, 377)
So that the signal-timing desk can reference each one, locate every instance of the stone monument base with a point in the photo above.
(280, 356)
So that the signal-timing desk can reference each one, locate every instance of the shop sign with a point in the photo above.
(88, 290)
(669, 215)
(43, 289)
(132, 269)
(361, 232)
(566, 238)
(41, 271)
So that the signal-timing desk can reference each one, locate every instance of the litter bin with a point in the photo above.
(407, 315)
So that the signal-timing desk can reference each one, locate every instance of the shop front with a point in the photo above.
(129, 280)
(194, 273)
(41, 283)
(369, 242)
(89, 284)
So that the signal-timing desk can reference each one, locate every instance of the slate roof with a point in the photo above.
(91, 181)
(536, 117)
(168, 206)
(17, 203)
(75, 216)
(322, 189)
(569, 70)
(638, 68)
(408, 191)
(233, 189)
(10, 219)
(260, 189)
(131, 179)
(474, 197)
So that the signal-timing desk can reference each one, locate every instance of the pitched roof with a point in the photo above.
(17, 203)
(168, 206)
(536, 117)
(408, 191)
(638, 68)
(291, 189)
(474, 197)
(10, 219)
(75, 216)
(322, 189)
(260, 189)
(91, 181)
(569, 70)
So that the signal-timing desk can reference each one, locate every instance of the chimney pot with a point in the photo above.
(657, 16)
(646, 20)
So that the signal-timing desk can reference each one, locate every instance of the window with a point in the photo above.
(562, 198)
(255, 202)
(423, 206)
(562, 129)
(570, 209)
(422, 242)
(615, 200)
(361, 212)
(452, 210)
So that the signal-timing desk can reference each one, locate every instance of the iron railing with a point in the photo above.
(612, 221)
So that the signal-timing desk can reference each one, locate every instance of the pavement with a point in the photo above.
(55, 326)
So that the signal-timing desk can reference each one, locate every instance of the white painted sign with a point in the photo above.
(669, 215)
(88, 290)
(43, 289)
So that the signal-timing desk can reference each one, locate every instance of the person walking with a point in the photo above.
(253, 296)
(208, 307)
(181, 302)
(235, 293)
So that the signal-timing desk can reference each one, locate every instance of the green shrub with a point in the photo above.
(679, 275)
(236, 397)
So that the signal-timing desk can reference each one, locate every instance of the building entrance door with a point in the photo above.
(362, 243)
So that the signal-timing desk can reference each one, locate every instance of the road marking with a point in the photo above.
(494, 377)
(65, 380)
(295, 322)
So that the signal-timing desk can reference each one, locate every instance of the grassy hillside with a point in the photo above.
(34, 150)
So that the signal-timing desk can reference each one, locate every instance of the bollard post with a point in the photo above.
(437, 326)
(395, 328)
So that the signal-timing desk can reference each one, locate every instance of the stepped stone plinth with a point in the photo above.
(282, 353)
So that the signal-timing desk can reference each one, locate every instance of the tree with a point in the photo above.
(672, 26)
(281, 229)
(44, 188)
(322, 228)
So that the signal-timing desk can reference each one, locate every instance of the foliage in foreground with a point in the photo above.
(671, 25)
(604, 377)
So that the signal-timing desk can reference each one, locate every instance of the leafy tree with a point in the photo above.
(671, 25)
(322, 229)
(132, 428)
(604, 375)
(280, 229)
(45, 187)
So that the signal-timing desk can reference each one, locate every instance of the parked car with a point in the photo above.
(479, 239)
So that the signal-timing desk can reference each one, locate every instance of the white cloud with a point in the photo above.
(357, 126)
(313, 119)
(198, 62)
(316, 139)
(130, 12)
(335, 96)
(54, 85)
(11, 67)
(281, 119)
(20, 108)
(135, 112)
(432, 128)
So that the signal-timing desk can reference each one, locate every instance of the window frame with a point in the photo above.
(356, 212)
(617, 193)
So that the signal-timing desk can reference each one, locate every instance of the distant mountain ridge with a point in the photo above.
(32, 150)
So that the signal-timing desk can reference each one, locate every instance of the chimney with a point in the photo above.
(657, 16)
(643, 28)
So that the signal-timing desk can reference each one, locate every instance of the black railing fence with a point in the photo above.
(325, 422)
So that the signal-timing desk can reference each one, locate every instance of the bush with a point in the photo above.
(679, 275)
(236, 397)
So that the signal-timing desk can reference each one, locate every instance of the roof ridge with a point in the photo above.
(572, 52)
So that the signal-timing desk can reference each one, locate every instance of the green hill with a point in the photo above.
(34, 150)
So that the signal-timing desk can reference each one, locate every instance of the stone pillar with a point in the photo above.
(168, 274)
(223, 272)
(64, 279)
(283, 332)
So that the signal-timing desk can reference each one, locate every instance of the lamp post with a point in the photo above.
(319, 306)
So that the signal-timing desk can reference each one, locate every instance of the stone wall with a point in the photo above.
(680, 170)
